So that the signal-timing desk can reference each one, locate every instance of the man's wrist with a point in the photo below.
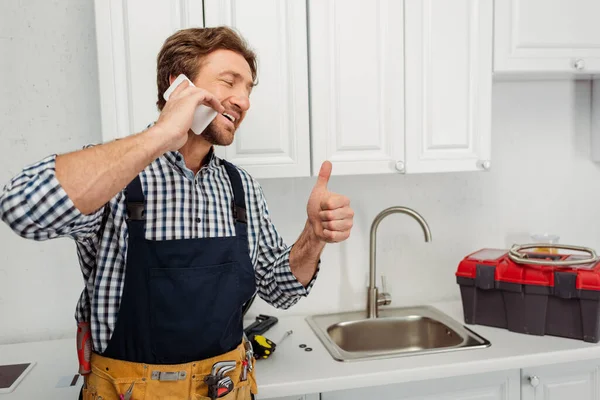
(155, 141)
(312, 241)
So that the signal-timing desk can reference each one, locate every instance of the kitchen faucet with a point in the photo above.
(375, 299)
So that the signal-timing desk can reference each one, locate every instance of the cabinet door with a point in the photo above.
(129, 35)
(299, 397)
(273, 140)
(547, 36)
(578, 380)
(448, 85)
(491, 386)
(357, 85)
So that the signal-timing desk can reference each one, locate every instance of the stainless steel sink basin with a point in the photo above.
(396, 332)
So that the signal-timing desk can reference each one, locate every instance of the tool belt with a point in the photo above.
(228, 376)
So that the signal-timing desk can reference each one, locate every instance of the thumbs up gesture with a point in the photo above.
(329, 214)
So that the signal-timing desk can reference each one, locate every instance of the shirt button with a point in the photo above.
(198, 219)
(178, 158)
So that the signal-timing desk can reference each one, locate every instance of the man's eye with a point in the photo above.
(229, 83)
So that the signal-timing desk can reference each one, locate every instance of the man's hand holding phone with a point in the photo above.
(187, 108)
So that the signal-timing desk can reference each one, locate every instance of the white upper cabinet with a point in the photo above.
(357, 85)
(129, 35)
(448, 85)
(274, 138)
(385, 86)
(547, 36)
(410, 91)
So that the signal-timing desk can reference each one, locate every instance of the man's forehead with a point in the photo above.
(227, 61)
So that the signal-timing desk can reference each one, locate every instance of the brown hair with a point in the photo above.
(183, 52)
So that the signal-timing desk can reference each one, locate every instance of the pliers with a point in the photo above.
(127, 394)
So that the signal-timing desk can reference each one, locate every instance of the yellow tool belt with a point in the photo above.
(109, 379)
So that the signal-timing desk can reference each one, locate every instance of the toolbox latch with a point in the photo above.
(564, 284)
(485, 276)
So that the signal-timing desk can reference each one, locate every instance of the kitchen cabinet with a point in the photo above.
(273, 140)
(129, 35)
(299, 397)
(595, 127)
(448, 85)
(410, 91)
(577, 380)
(502, 385)
(558, 36)
(357, 85)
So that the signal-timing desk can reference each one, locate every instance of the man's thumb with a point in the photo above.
(324, 175)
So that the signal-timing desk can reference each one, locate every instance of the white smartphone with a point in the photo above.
(12, 375)
(203, 115)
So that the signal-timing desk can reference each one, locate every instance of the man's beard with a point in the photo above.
(216, 136)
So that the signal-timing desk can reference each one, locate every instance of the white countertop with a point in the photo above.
(293, 371)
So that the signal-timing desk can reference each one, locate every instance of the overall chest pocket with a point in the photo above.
(193, 310)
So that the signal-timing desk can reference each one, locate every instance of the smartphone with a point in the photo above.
(203, 115)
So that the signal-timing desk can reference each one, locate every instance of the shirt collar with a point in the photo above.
(175, 158)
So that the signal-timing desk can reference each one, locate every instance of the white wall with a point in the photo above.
(542, 180)
(49, 104)
(48, 75)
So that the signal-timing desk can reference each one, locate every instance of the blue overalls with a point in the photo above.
(182, 299)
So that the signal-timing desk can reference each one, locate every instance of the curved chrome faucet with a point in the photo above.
(374, 300)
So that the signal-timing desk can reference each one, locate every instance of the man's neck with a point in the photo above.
(195, 152)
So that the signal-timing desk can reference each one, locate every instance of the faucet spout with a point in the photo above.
(373, 298)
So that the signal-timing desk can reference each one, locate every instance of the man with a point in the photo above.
(172, 240)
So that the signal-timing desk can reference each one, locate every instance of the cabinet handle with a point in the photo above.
(484, 164)
(534, 381)
(579, 64)
(400, 166)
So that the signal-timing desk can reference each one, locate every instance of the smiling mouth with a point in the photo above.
(229, 117)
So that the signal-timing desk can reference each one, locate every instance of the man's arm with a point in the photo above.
(93, 176)
(283, 274)
(34, 206)
(63, 196)
(305, 255)
(330, 220)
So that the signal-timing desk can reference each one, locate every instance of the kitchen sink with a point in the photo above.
(396, 332)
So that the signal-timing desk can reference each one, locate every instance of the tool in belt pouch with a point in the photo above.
(84, 347)
(218, 384)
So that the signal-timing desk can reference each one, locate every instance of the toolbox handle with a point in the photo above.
(519, 258)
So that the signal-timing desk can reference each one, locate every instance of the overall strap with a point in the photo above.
(239, 197)
(136, 207)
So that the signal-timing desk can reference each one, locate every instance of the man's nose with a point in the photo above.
(241, 101)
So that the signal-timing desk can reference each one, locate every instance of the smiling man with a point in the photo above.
(173, 241)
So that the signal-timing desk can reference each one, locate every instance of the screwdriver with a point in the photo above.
(285, 335)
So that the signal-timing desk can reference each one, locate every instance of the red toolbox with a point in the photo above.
(528, 290)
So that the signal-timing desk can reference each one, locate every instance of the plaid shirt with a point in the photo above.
(179, 205)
